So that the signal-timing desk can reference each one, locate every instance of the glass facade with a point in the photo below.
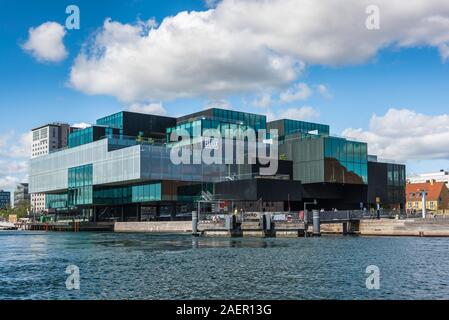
(221, 120)
(106, 196)
(113, 121)
(296, 126)
(129, 194)
(90, 134)
(345, 161)
(292, 129)
(56, 201)
(81, 191)
(396, 175)
(81, 137)
(251, 120)
(80, 182)
(197, 128)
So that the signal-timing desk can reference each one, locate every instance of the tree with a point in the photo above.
(21, 211)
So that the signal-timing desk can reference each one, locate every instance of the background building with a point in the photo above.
(437, 199)
(5, 199)
(120, 169)
(21, 195)
(440, 176)
(46, 139)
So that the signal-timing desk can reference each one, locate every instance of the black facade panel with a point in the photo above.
(285, 167)
(279, 190)
(256, 189)
(237, 190)
(151, 125)
(377, 178)
(334, 195)
(388, 194)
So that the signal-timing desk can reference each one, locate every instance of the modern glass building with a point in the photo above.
(5, 199)
(21, 195)
(120, 169)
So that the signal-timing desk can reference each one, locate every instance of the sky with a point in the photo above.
(384, 82)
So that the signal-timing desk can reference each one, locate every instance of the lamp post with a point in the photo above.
(423, 193)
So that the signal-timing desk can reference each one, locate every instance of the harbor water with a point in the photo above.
(152, 266)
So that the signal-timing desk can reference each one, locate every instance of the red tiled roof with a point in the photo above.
(433, 191)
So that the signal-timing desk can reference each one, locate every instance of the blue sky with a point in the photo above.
(405, 85)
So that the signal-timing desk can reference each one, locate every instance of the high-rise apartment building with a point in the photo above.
(47, 139)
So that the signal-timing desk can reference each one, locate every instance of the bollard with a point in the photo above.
(267, 222)
(306, 224)
(316, 223)
(345, 228)
(229, 222)
(195, 223)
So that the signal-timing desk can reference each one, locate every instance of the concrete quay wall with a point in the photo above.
(383, 227)
(154, 227)
(411, 227)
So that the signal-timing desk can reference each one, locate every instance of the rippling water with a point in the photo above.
(148, 266)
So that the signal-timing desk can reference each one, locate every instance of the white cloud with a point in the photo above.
(444, 52)
(187, 55)
(211, 3)
(305, 113)
(403, 134)
(300, 91)
(323, 90)
(221, 104)
(45, 42)
(302, 113)
(13, 166)
(15, 150)
(9, 182)
(248, 46)
(16, 146)
(81, 125)
(271, 116)
(150, 108)
(263, 101)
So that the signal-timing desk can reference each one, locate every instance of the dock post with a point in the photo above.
(306, 223)
(316, 223)
(345, 228)
(195, 223)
